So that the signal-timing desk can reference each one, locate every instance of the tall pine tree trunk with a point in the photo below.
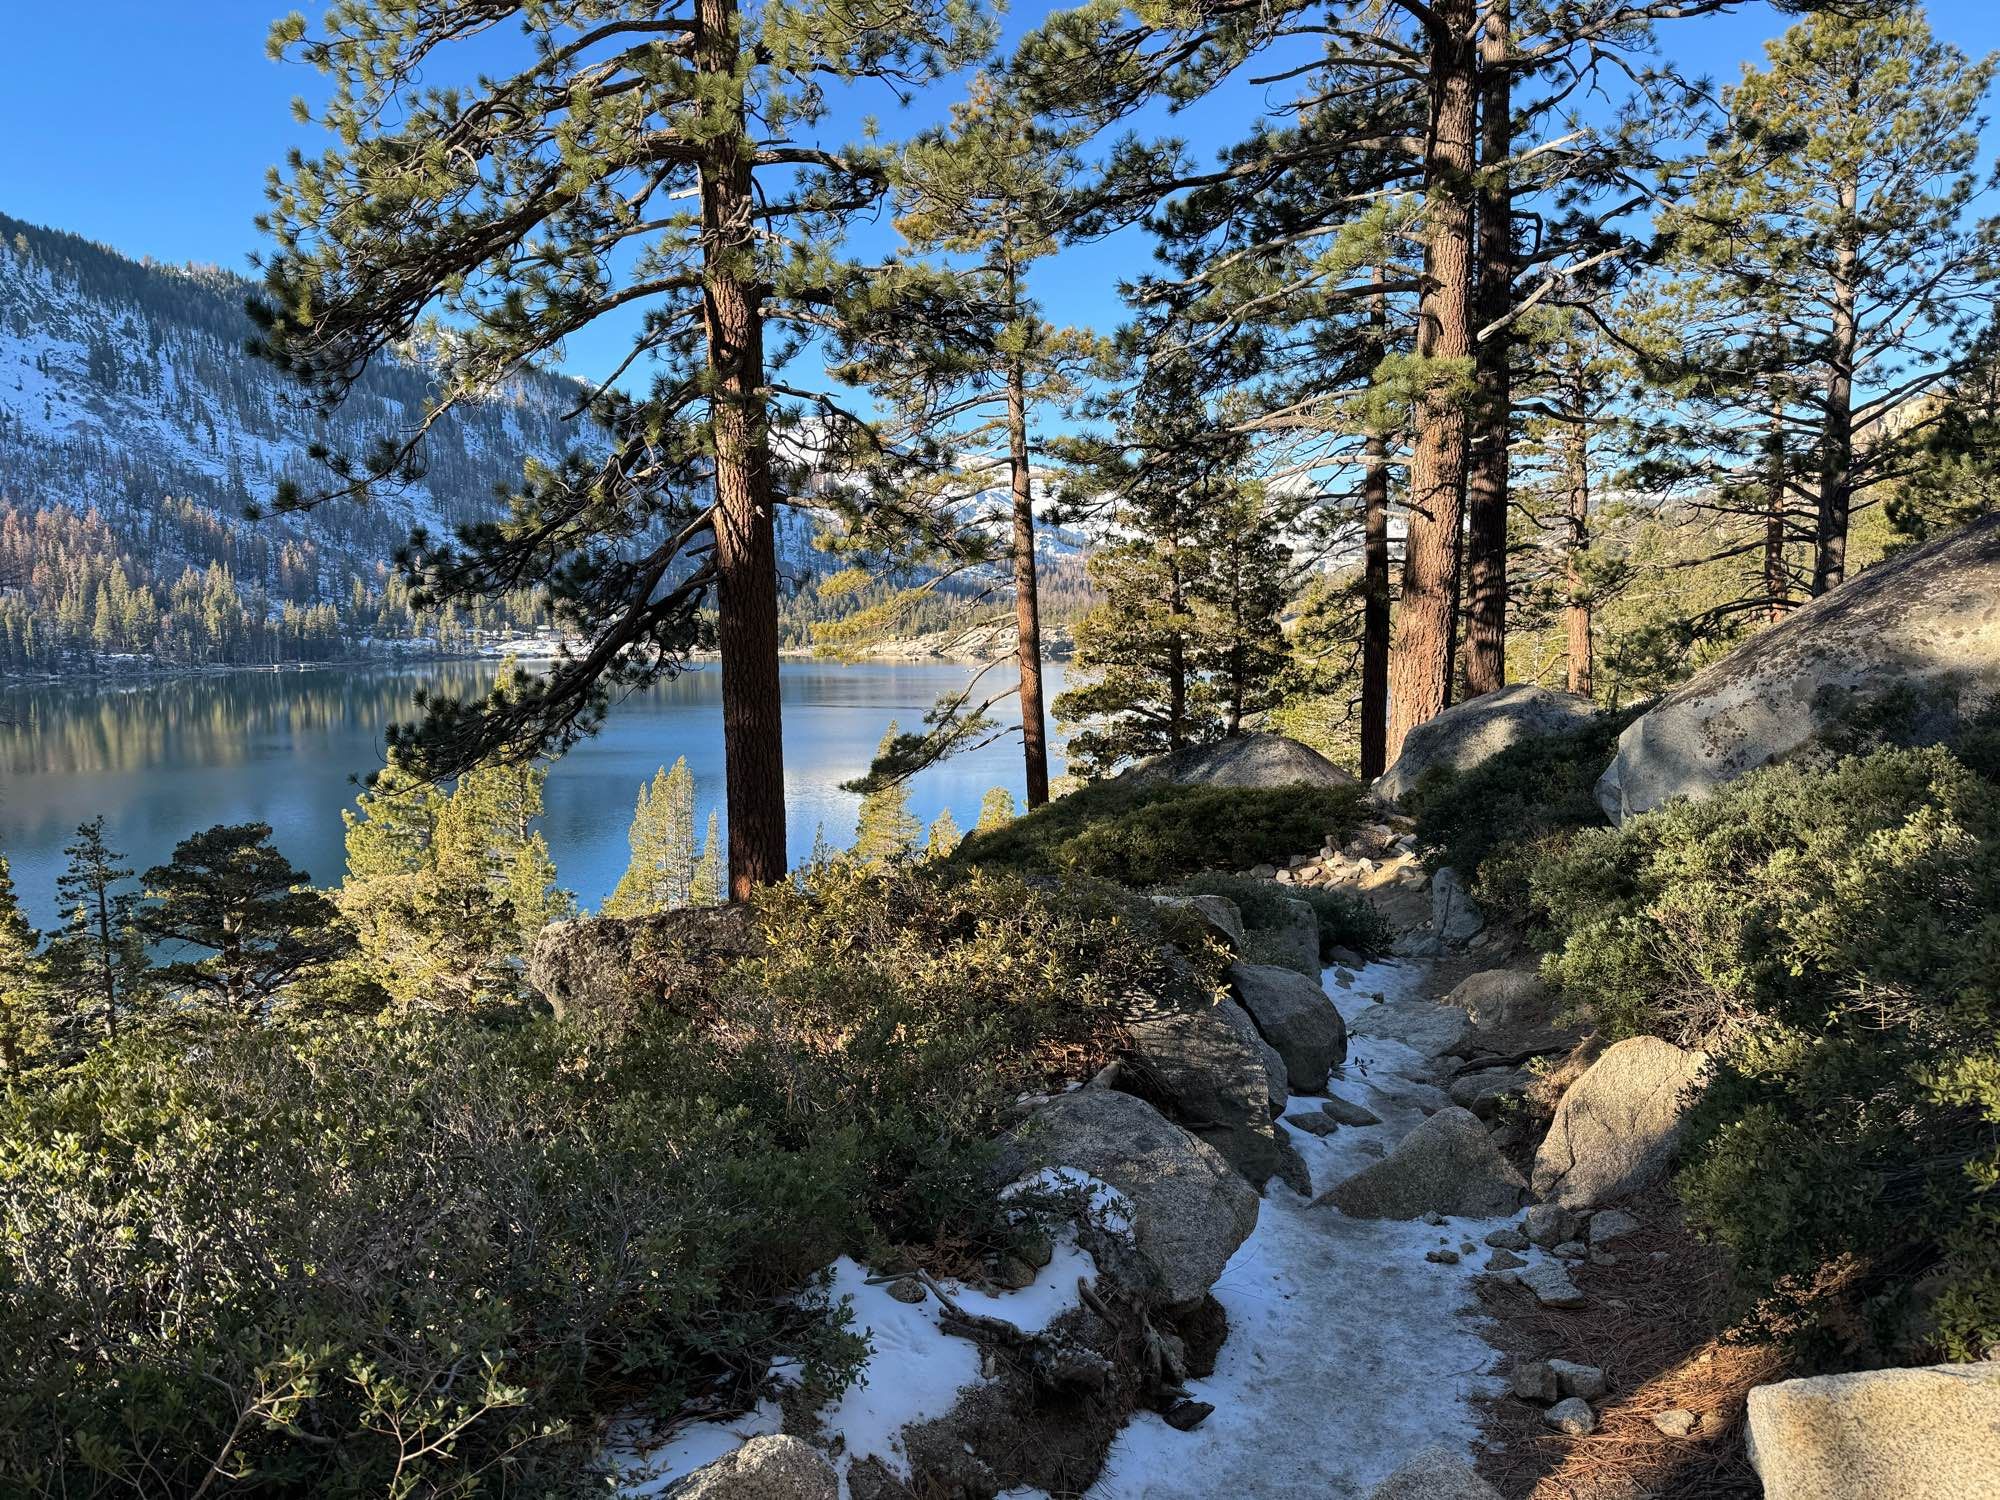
(1777, 581)
(1487, 479)
(1420, 668)
(1375, 575)
(1836, 464)
(746, 561)
(1577, 612)
(1027, 605)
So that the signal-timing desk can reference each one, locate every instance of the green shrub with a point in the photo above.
(1834, 936)
(1345, 921)
(426, 1255)
(1480, 822)
(1152, 834)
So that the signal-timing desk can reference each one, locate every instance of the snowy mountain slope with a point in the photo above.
(125, 383)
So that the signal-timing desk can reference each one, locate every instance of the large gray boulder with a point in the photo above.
(1618, 1124)
(1496, 999)
(1455, 917)
(1249, 760)
(765, 1468)
(1479, 729)
(1925, 1434)
(604, 970)
(1293, 942)
(1447, 1165)
(1210, 1078)
(1927, 623)
(1295, 1016)
(1435, 1474)
(1277, 1079)
(1190, 1210)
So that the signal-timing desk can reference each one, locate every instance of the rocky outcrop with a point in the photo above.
(1618, 1124)
(1210, 1078)
(1249, 760)
(1926, 1434)
(1277, 1081)
(1295, 1016)
(1926, 623)
(1190, 1210)
(1478, 729)
(765, 1468)
(1435, 1474)
(602, 970)
(1447, 1165)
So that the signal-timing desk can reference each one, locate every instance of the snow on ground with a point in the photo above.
(914, 1372)
(1348, 1352)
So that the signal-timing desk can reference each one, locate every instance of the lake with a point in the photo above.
(161, 759)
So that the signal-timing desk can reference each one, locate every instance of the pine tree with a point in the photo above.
(96, 960)
(24, 1027)
(534, 205)
(1830, 222)
(943, 837)
(996, 810)
(661, 875)
(229, 891)
(886, 831)
(973, 370)
(707, 887)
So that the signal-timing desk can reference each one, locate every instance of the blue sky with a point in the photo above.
(150, 125)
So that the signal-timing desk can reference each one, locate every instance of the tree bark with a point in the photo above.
(1375, 578)
(1836, 469)
(1487, 479)
(1027, 604)
(746, 561)
(1577, 612)
(1420, 667)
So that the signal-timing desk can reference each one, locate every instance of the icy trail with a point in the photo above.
(1348, 1352)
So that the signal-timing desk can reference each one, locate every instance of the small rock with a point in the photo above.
(1503, 1260)
(909, 1289)
(1549, 1281)
(1507, 1239)
(1586, 1381)
(1535, 1381)
(1347, 958)
(1349, 1113)
(1013, 1273)
(1372, 1148)
(764, 1466)
(1036, 1248)
(1608, 1224)
(1442, 1257)
(1185, 1416)
(1570, 1250)
(1314, 1122)
(1603, 1258)
(1466, 1247)
(1433, 1218)
(1572, 1417)
(1550, 1224)
(1658, 1257)
(1676, 1423)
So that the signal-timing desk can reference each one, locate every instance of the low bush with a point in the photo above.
(1833, 936)
(1483, 821)
(1345, 921)
(426, 1255)
(1153, 834)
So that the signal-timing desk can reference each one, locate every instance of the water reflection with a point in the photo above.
(161, 759)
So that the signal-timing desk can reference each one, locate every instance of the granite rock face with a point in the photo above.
(1249, 760)
(1616, 1128)
(1881, 1435)
(1480, 728)
(1447, 1165)
(1926, 623)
